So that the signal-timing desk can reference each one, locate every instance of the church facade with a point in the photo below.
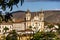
(36, 22)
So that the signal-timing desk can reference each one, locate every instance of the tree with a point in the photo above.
(30, 27)
(1, 17)
(50, 26)
(8, 17)
(58, 28)
(9, 4)
(5, 29)
(12, 35)
(4, 4)
(45, 36)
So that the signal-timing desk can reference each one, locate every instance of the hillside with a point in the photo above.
(52, 16)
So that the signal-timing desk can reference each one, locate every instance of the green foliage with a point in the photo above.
(30, 27)
(4, 4)
(5, 29)
(45, 36)
(50, 26)
(12, 35)
(3, 37)
(7, 17)
(1, 17)
(58, 28)
(9, 3)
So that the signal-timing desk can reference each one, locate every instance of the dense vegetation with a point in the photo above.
(4, 4)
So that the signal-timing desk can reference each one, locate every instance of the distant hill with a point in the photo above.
(52, 16)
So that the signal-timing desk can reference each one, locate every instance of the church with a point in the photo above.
(33, 21)
(36, 21)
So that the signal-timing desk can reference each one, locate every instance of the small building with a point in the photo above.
(3, 25)
(18, 26)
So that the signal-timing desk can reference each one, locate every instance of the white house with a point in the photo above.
(3, 25)
(19, 26)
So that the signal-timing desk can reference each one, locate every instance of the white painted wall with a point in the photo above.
(18, 26)
(2, 26)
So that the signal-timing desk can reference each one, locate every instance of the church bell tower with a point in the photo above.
(28, 18)
(28, 15)
(41, 16)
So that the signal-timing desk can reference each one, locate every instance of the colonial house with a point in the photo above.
(18, 26)
(3, 25)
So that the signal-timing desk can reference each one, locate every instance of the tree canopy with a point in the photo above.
(5, 29)
(9, 4)
(12, 35)
(4, 4)
(45, 36)
(6, 18)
